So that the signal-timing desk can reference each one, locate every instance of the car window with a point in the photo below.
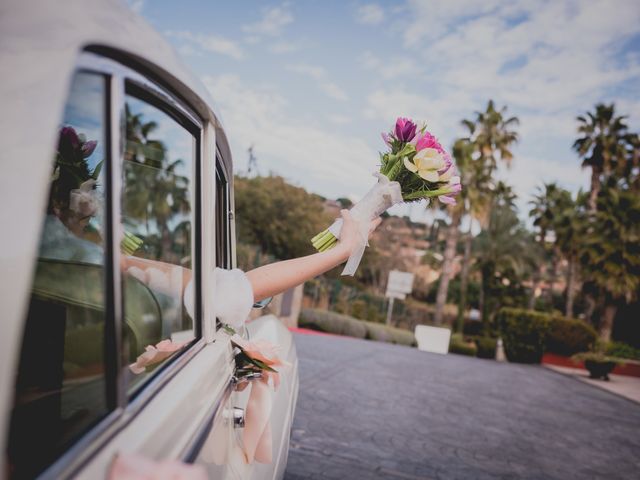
(157, 205)
(222, 219)
(60, 386)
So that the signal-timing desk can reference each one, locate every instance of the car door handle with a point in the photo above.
(240, 382)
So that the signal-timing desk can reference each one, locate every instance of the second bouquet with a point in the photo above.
(415, 167)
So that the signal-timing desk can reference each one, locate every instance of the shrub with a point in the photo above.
(567, 336)
(486, 347)
(378, 332)
(402, 337)
(331, 322)
(622, 350)
(359, 309)
(523, 333)
(459, 346)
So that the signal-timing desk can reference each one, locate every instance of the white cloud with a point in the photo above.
(210, 43)
(339, 119)
(272, 23)
(319, 74)
(369, 61)
(396, 67)
(325, 161)
(371, 14)
(136, 5)
(283, 47)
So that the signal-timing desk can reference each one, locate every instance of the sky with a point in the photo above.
(311, 84)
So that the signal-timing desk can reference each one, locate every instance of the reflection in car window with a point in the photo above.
(60, 389)
(222, 219)
(156, 215)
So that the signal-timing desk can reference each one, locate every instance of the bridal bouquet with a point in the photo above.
(415, 167)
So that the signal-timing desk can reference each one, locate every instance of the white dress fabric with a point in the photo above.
(232, 297)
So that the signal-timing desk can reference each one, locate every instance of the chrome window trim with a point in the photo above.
(126, 409)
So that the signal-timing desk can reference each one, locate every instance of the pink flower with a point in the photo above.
(261, 350)
(427, 140)
(405, 129)
(447, 199)
(153, 355)
(448, 164)
(452, 188)
(387, 138)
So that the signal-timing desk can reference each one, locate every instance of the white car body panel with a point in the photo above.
(40, 44)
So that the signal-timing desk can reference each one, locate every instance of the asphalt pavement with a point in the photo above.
(369, 410)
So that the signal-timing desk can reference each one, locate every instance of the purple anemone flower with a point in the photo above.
(405, 129)
(88, 148)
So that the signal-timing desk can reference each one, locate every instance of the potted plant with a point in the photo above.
(598, 364)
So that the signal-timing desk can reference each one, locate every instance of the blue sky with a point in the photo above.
(312, 84)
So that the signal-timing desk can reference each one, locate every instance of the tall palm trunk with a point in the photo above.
(571, 290)
(537, 274)
(595, 188)
(464, 281)
(606, 326)
(488, 274)
(447, 265)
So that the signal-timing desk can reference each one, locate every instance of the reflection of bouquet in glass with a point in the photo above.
(415, 167)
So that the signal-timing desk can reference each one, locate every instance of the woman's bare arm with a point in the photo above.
(275, 278)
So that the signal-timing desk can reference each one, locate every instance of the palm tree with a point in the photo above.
(611, 254)
(547, 204)
(154, 190)
(603, 146)
(504, 246)
(490, 139)
(570, 229)
(474, 202)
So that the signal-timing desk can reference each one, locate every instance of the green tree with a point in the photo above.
(491, 137)
(504, 252)
(610, 258)
(155, 193)
(549, 202)
(277, 216)
(570, 225)
(604, 146)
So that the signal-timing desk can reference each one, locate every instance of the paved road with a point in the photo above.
(369, 410)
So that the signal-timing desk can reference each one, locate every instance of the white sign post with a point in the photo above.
(399, 286)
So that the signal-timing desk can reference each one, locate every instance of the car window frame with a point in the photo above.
(116, 73)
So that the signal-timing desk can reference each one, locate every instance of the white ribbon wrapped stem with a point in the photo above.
(382, 196)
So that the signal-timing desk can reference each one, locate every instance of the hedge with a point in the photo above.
(486, 347)
(527, 334)
(567, 336)
(622, 350)
(523, 333)
(331, 322)
(459, 346)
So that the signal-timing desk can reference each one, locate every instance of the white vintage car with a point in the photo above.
(112, 153)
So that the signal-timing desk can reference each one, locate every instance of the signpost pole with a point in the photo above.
(390, 310)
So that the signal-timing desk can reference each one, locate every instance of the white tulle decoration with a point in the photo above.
(233, 296)
(382, 196)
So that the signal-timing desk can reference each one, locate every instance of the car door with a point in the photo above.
(221, 452)
(119, 351)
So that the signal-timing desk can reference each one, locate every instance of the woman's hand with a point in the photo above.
(277, 277)
(350, 236)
